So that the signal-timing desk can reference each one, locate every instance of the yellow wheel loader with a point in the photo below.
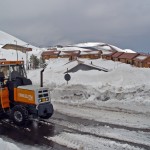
(18, 97)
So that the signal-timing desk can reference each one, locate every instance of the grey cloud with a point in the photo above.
(50, 22)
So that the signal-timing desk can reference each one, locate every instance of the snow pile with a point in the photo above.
(123, 85)
(72, 48)
(119, 75)
(7, 146)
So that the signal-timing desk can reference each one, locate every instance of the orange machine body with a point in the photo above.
(24, 96)
(4, 98)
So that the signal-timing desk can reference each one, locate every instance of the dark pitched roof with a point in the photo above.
(128, 55)
(116, 55)
(86, 67)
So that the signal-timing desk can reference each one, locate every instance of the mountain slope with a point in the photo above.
(6, 38)
(102, 46)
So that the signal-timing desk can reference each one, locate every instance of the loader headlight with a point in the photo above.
(43, 99)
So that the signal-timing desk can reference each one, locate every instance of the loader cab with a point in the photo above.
(14, 76)
(11, 71)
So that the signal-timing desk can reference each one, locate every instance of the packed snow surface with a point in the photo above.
(7, 145)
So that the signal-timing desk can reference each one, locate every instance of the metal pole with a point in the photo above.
(27, 58)
(16, 49)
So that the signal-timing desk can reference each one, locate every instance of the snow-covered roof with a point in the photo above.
(129, 51)
(72, 49)
(50, 52)
(142, 57)
(69, 53)
(89, 52)
(107, 52)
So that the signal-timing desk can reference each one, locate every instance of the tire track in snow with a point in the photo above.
(139, 121)
(89, 142)
(69, 129)
(86, 122)
(65, 121)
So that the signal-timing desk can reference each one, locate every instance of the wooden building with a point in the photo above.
(142, 60)
(127, 57)
(90, 54)
(17, 47)
(72, 55)
(108, 55)
(50, 54)
(115, 57)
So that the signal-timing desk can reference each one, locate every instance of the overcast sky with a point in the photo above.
(123, 23)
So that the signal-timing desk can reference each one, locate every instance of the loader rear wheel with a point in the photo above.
(19, 115)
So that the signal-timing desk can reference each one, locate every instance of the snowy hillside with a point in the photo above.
(103, 46)
(11, 54)
(9, 39)
(6, 38)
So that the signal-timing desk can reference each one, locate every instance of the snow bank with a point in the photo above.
(120, 75)
(122, 85)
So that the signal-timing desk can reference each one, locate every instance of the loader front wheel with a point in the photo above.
(19, 115)
(47, 116)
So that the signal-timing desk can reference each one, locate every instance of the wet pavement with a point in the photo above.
(34, 134)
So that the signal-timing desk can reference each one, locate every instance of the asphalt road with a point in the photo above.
(36, 134)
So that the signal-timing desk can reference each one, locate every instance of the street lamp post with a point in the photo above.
(27, 58)
(16, 49)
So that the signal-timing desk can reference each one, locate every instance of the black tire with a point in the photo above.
(47, 116)
(2, 114)
(19, 115)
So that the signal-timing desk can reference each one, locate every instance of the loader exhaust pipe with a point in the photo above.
(41, 77)
(44, 66)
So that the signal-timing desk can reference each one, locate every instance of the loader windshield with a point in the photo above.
(13, 70)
